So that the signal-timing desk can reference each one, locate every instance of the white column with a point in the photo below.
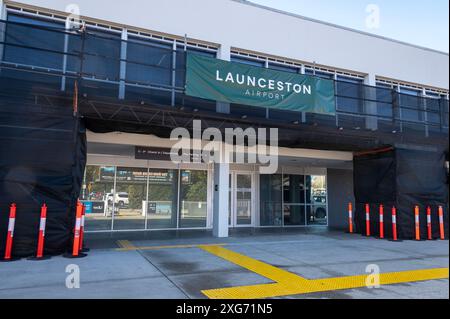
(224, 53)
(221, 198)
(2, 10)
(266, 65)
(370, 107)
(174, 73)
(123, 63)
(303, 71)
(2, 27)
(66, 49)
(425, 113)
(335, 78)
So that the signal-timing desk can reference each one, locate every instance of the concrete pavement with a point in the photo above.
(172, 269)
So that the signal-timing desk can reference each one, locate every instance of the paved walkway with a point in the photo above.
(292, 264)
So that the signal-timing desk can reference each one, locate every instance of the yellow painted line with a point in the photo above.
(129, 248)
(125, 244)
(256, 266)
(287, 284)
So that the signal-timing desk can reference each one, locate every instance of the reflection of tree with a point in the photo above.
(160, 192)
(318, 182)
(93, 185)
(92, 173)
(136, 194)
(196, 191)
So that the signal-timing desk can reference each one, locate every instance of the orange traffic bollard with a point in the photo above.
(76, 251)
(41, 236)
(429, 229)
(76, 237)
(417, 222)
(441, 223)
(83, 247)
(350, 218)
(10, 235)
(41, 239)
(82, 226)
(394, 224)
(367, 220)
(381, 222)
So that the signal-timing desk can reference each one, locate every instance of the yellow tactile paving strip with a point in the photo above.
(287, 283)
(256, 266)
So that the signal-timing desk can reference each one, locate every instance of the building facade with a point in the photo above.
(128, 68)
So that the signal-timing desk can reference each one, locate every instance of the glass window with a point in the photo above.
(294, 215)
(243, 199)
(317, 193)
(193, 199)
(283, 68)
(129, 198)
(101, 54)
(411, 105)
(270, 204)
(320, 74)
(97, 193)
(247, 61)
(349, 95)
(294, 189)
(294, 200)
(149, 63)
(162, 199)
(28, 42)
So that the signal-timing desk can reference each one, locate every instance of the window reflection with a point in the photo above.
(193, 199)
(97, 186)
(270, 205)
(162, 199)
(304, 198)
(317, 213)
(126, 198)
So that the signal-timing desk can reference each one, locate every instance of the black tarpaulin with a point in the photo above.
(42, 160)
(402, 178)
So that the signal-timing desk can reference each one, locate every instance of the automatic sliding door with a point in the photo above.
(271, 200)
(294, 200)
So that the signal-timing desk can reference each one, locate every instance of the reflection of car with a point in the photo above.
(320, 212)
(320, 198)
(121, 199)
(96, 196)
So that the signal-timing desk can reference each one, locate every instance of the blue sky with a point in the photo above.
(424, 23)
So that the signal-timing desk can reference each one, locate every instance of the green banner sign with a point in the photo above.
(238, 83)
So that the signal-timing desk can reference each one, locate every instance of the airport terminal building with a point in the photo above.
(344, 102)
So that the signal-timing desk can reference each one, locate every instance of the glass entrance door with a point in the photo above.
(241, 200)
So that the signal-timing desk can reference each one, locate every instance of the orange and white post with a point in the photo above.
(76, 237)
(350, 218)
(10, 235)
(381, 222)
(394, 224)
(441, 223)
(417, 222)
(41, 239)
(429, 229)
(83, 214)
(367, 220)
